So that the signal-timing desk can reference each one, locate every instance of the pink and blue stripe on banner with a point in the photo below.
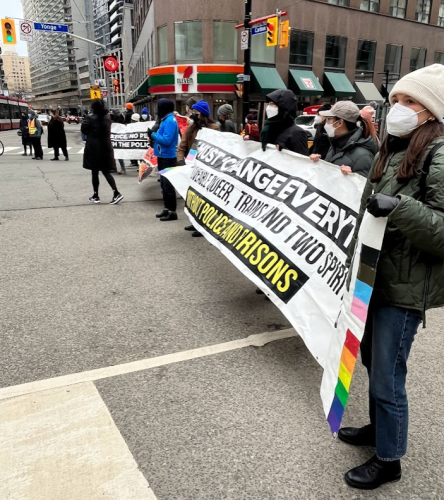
(361, 300)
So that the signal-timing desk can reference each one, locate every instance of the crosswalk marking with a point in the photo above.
(12, 151)
(10, 148)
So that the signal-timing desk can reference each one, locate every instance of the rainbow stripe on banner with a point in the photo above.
(165, 170)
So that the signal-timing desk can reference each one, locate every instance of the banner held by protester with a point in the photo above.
(130, 142)
(284, 222)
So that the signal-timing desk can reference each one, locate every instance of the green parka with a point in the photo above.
(410, 270)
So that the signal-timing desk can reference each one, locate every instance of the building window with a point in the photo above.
(341, 3)
(393, 56)
(423, 11)
(439, 57)
(441, 14)
(301, 47)
(365, 60)
(398, 8)
(188, 41)
(162, 43)
(417, 58)
(260, 53)
(370, 5)
(224, 42)
(335, 51)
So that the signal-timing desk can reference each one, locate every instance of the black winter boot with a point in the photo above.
(358, 436)
(373, 474)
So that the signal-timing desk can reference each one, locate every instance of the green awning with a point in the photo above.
(366, 92)
(338, 85)
(304, 82)
(265, 80)
(143, 89)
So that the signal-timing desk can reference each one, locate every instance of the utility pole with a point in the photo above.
(247, 62)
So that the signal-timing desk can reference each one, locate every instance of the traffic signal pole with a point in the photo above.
(247, 62)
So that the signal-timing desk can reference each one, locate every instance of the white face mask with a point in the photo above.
(330, 129)
(271, 111)
(317, 120)
(402, 120)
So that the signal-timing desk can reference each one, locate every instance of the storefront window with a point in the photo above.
(301, 47)
(224, 41)
(417, 58)
(441, 14)
(260, 53)
(393, 55)
(162, 43)
(342, 3)
(398, 8)
(188, 41)
(365, 60)
(439, 57)
(423, 11)
(335, 50)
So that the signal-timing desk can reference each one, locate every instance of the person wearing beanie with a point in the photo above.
(189, 105)
(145, 115)
(280, 128)
(405, 186)
(129, 106)
(251, 130)
(200, 119)
(165, 142)
(353, 140)
(224, 114)
(135, 118)
(321, 142)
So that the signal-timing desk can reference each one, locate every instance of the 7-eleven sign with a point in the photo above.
(186, 79)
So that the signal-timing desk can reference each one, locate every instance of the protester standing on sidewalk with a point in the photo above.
(251, 130)
(26, 140)
(35, 133)
(145, 115)
(225, 123)
(279, 128)
(200, 119)
(410, 270)
(165, 143)
(57, 136)
(99, 153)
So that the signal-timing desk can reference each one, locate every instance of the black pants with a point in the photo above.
(37, 145)
(168, 191)
(64, 151)
(96, 182)
(30, 147)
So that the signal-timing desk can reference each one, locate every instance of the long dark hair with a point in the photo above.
(55, 115)
(420, 140)
(98, 108)
(204, 122)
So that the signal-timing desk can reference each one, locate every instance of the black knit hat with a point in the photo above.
(324, 107)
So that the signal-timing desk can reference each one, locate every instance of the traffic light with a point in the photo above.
(8, 29)
(272, 31)
(116, 85)
(284, 37)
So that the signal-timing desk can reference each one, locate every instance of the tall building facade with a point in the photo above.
(339, 49)
(54, 56)
(17, 75)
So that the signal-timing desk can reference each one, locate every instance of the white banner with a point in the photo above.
(283, 221)
(130, 142)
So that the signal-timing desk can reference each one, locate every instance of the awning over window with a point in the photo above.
(304, 82)
(338, 85)
(366, 92)
(143, 89)
(265, 80)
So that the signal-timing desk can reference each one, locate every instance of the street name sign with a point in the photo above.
(259, 29)
(60, 28)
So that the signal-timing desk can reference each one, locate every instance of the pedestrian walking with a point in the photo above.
(26, 139)
(165, 143)
(407, 179)
(99, 153)
(57, 136)
(251, 130)
(117, 117)
(321, 141)
(129, 112)
(35, 133)
(279, 128)
(200, 119)
(225, 123)
(353, 140)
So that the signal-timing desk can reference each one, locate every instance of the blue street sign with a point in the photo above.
(259, 30)
(61, 28)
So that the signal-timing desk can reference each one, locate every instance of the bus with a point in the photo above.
(10, 112)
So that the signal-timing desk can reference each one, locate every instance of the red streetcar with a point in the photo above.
(10, 112)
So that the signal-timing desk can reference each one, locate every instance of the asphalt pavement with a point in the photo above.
(91, 287)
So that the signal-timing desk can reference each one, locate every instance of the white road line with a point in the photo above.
(143, 364)
(10, 148)
(64, 444)
(80, 152)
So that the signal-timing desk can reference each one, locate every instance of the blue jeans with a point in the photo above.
(385, 348)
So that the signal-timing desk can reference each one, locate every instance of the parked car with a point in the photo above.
(307, 123)
(72, 119)
(44, 119)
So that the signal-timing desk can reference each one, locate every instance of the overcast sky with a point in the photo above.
(13, 8)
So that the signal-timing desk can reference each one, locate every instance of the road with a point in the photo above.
(159, 396)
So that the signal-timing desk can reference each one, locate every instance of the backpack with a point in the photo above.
(254, 133)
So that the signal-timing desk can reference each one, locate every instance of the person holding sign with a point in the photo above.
(407, 180)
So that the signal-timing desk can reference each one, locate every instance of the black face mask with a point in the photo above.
(195, 118)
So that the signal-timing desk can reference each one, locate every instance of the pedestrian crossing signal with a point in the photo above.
(116, 85)
(272, 31)
(8, 30)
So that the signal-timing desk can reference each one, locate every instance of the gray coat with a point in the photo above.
(358, 153)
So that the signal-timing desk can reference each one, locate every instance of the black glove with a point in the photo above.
(180, 163)
(150, 132)
(381, 205)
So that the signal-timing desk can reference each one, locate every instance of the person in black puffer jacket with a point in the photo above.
(280, 128)
(321, 142)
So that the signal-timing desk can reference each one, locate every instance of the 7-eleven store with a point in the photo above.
(214, 83)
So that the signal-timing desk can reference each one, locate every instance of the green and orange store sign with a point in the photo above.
(194, 78)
